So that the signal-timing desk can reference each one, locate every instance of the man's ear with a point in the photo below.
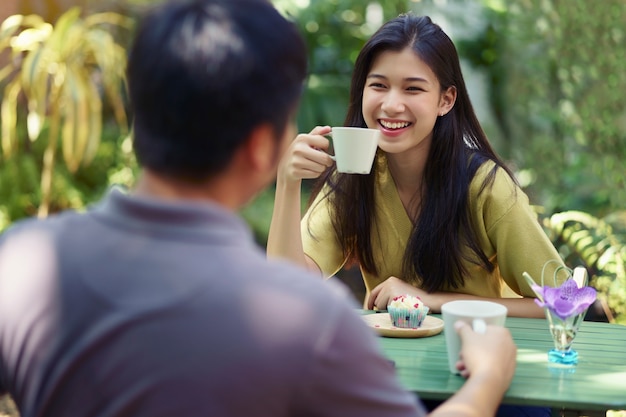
(261, 149)
(448, 98)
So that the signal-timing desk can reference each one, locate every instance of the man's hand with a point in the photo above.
(491, 355)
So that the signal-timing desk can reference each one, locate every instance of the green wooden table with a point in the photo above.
(596, 384)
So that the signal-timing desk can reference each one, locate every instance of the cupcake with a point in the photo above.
(407, 312)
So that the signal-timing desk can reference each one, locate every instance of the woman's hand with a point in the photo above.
(306, 156)
(384, 292)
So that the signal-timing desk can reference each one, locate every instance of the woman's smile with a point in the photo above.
(393, 128)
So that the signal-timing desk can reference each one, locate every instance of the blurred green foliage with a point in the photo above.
(557, 89)
(20, 175)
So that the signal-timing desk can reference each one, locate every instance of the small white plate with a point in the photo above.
(381, 323)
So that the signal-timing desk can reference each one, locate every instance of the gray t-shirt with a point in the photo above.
(144, 308)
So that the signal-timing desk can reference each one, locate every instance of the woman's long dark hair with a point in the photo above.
(435, 251)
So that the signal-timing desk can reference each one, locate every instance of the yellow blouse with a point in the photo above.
(507, 228)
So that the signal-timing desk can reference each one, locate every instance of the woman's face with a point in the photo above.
(402, 99)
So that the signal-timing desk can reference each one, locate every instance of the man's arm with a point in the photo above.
(488, 361)
(353, 378)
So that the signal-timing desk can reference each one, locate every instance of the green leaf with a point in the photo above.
(60, 35)
(75, 130)
(31, 39)
(8, 111)
(13, 23)
(94, 123)
(110, 18)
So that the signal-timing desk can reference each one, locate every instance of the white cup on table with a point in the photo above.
(355, 148)
(477, 314)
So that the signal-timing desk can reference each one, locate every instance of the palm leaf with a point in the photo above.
(34, 68)
(8, 111)
(76, 113)
(110, 18)
(49, 154)
(34, 119)
(5, 72)
(111, 59)
(30, 39)
(601, 244)
(35, 85)
(95, 123)
(59, 38)
(14, 23)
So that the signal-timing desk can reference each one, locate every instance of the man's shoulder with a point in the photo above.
(309, 283)
(327, 298)
(53, 224)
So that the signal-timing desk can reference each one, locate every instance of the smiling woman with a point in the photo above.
(440, 216)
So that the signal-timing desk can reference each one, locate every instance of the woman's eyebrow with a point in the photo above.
(416, 79)
(409, 79)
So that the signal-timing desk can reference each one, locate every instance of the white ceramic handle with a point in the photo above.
(479, 326)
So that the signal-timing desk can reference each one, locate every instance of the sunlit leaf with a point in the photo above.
(12, 24)
(71, 48)
(47, 171)
(105, 51)
(110, 18)
(8, 111)
(75, 118)
(61, 30)
(5, 72)
(94, 124)
(82, 126)
(68, 129)
(30, 39)
(34, 123)
(33, 69)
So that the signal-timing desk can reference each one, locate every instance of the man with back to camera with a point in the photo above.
(157, 302)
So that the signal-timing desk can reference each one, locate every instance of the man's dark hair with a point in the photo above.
(202, 74)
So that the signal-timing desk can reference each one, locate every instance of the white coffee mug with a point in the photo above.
(477, 314)
(354, 148)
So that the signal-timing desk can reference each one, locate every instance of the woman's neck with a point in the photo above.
(407, 171)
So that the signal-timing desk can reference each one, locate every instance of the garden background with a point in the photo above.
(547, 78)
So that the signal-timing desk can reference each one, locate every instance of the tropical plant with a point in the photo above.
(599, 244)
(59, 76)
